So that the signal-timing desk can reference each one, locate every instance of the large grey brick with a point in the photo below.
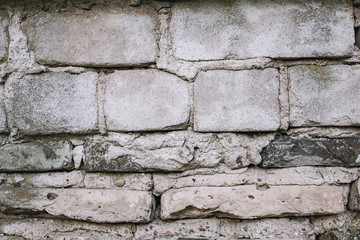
(94, 38)
(204, 30)
(3, 126)
(237, 100)
(248, 202)
(290, 152)
(94, 205)
(324, 96)
(145, 100)
(36, 156)
(52, 103)
(4, 39)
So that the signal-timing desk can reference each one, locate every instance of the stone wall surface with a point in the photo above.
(180, 120)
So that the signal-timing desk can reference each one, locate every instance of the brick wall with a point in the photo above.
(182, 120)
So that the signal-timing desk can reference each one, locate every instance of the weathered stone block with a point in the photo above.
(237, 100)
(42, 228)
(145, 100)
(248, 29)
(181, 229)
(354, 201)
(94, 205)
(271, 228)
(173, 151)
(52, 103)
(94, 38)
(259, 176)
(36, 156)
(132, 181)
(4, 39)
(3, 126)
(285, 151)
(324, 96)
(339, 235)
(248, 202)
(42, 180)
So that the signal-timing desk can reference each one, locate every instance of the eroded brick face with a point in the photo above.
(179, 120)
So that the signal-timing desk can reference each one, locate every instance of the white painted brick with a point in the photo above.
(52, 103)
(94, 38)
(246, 29)
(324, 96)
(237, 100)
(145, 100)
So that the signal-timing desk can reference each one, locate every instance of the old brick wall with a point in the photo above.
(182, 120)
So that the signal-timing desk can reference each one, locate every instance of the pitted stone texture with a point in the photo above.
(4, 39)
(42, 180)
(42, 228)
(259, 176)
(94, 38)
(237, 100)
(181, 229)
(36, 156)
(3, 126)
(354, 201)
(3, 237)
(145, 100)
(272, 228)
(324, 96)
(52, 103)
(285, 151)
(94, 205)
(248, 29)
(132, 181)
(247, 202)
(174, 151)
(339, 235)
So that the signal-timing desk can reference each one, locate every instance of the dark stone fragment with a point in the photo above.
(337, 235)
(285, 151)
(95, 159)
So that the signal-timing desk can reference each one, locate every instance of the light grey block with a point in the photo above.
(52, 103)
(208, 30)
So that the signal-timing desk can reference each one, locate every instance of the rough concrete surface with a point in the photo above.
(247, 202)
(174, 151)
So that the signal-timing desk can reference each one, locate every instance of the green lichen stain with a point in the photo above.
(322, 76)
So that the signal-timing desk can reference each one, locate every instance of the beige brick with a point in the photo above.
(94, 205)
(247, 202)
